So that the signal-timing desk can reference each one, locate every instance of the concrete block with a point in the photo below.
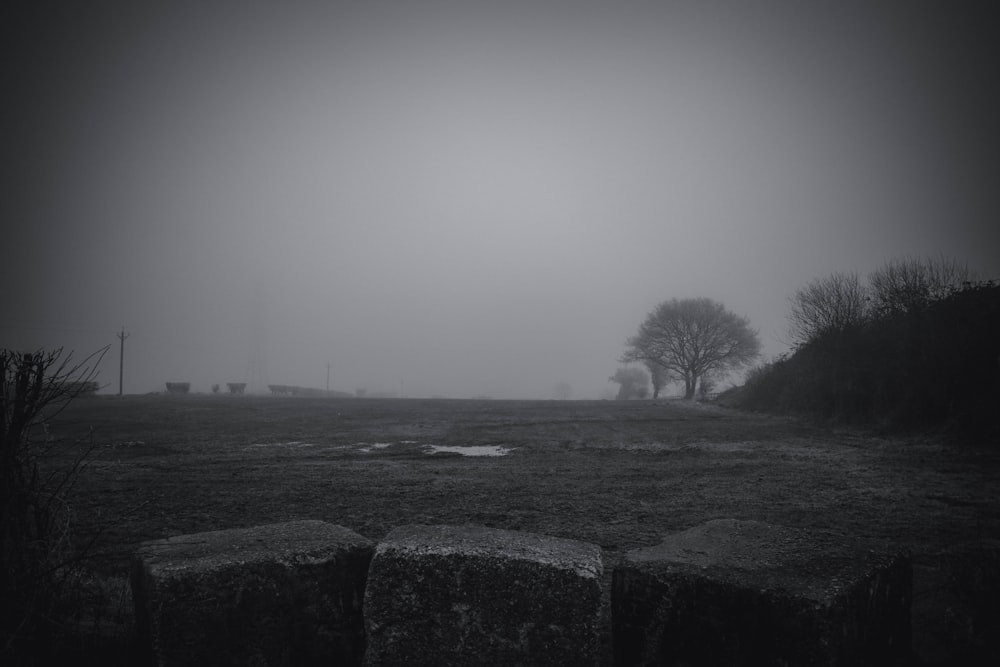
(448, 595)
(281, 594)
(747, 593)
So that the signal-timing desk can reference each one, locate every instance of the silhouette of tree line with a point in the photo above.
(914, 347)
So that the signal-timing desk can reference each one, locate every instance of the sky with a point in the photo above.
(468, 198)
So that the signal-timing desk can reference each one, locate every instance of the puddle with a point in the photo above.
(371, 447)
(470, 450)
(290, 443)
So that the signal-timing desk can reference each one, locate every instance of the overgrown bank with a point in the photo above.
(918, 351)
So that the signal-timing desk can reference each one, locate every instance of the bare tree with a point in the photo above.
(562, 391)
(908, 285)
(693, 338)
(827, 304)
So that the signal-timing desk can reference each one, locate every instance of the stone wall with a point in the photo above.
(281, 594)
(309, 592)
(470, 595)
(747, 593)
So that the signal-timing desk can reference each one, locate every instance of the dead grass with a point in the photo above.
(618, 474)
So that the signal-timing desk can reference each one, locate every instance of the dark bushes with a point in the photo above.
(933, 366)
(35, 545)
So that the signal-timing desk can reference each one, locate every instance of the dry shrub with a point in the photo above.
(36, 554)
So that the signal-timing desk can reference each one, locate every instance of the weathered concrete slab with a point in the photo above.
(748, 593)
(280, 594)
(447, 595)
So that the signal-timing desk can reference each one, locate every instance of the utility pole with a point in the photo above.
(328, 377)
(121, 359)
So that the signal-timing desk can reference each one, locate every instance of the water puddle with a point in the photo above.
(469, 450)
(464, 450)
(368, 448)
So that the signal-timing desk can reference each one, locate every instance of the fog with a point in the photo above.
(464, 199)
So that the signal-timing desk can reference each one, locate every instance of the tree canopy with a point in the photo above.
(910, 285)
(634, 383)
(692, 338)
(827, 304)
(843, 300)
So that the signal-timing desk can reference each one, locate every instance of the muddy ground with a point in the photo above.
(618, 474)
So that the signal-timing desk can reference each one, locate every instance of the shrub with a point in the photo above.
(933, 366)
(633, 383)
(178, 387)
(35, 546)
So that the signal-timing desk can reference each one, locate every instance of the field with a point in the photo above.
(618, 474)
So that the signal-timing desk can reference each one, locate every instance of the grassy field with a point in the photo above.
(618, 474)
